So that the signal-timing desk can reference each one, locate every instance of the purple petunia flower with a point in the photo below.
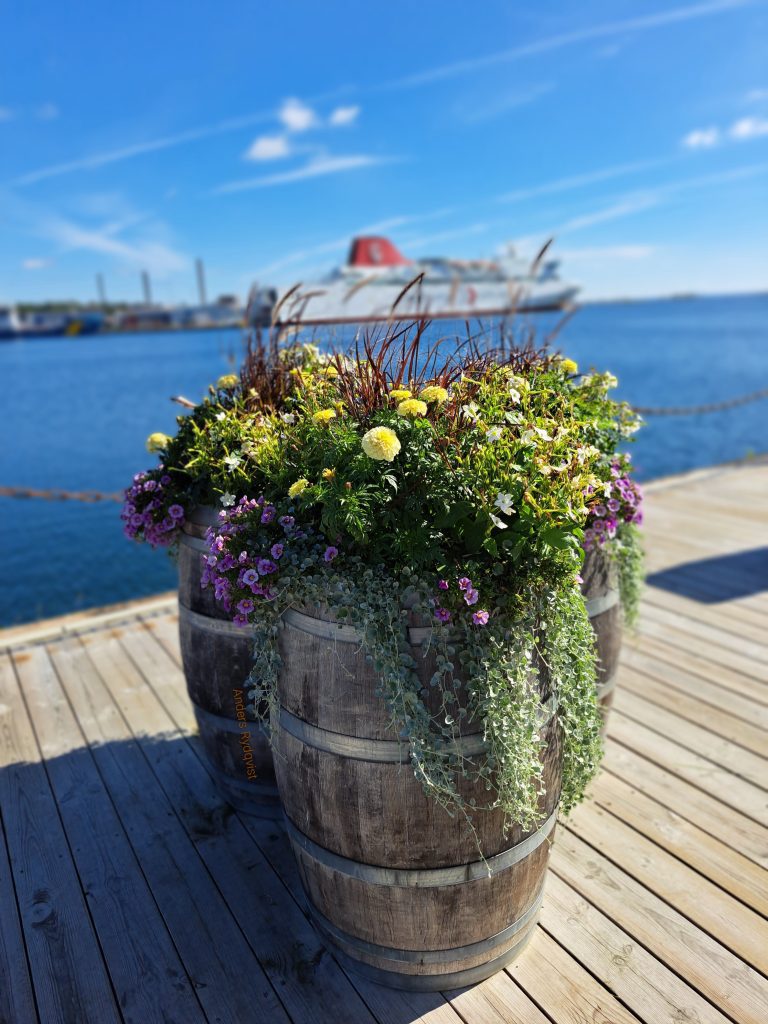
(245, 606)
(330, 553)
(176, 512)
(442, 615)
(471, 595)
(286, 522)
(250, 576)
(464, 583)
(599, 510)
(480, 618)
(442, 584)
(277, 551)
(614, 505)
(268, 514)
(265, 567)
(240, 620)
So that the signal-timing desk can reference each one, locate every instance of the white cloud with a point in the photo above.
(6, 114)
(622, 208)
(268, 147)
(343, 116)
(748, 128)
(576, 181)
(702, 138)
(297, 116)
(473, 112)
(548, 44)
(35, 264)
(608, 253)
(314, 168)
(47, 112)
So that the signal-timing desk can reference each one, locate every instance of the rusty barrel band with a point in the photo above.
(597, 605)
(209, 625)
(382, 751)
(423, 878)
(432, 956)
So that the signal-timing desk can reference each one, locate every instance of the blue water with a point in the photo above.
(77, 412)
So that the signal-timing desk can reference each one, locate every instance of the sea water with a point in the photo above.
(76, 414)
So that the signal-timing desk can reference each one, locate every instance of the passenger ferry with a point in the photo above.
(378, 283)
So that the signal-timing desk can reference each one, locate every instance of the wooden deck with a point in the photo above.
(130, 892)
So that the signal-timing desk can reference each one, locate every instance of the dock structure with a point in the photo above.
(129, 891)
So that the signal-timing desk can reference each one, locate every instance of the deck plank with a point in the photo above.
(148, 977)
(17, 1001)
(205, 933)
(69, 975)
(715, 972)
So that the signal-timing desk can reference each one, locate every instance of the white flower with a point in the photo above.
(221, 416)
(232, 462)
(504, 503)
(498, 522)
(514, 394)
(494, 434)
(288, 417)
(227, 500)
(543, 434)
(471, 410)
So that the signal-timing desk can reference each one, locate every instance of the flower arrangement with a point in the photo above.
(392, 484)
(459, 493)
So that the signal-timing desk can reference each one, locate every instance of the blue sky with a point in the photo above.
(262, 137)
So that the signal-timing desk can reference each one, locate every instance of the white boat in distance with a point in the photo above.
(377, 283)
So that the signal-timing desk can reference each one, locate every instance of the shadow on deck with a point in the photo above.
(717, 579)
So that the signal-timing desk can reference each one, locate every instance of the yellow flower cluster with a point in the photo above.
(329, 371)
(412, 407)
(329, 474)
(381, 443)
(569, 366)
(324, 416)
(434, 394)
(298, 488)
(157, 442)
(227, 382)
(399, 394)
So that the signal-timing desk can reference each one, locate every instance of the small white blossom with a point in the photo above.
(288, 417)
(494, 434)
(232, 462)
(221, 416)
(498, 522)
(514, 394)
(504, 503)
(471, 410)
(227, 500)
(543, 434)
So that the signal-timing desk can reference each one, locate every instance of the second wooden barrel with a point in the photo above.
(216, 655)
(396, 885)
(601, 593)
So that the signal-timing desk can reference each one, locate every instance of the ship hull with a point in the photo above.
(374, 302)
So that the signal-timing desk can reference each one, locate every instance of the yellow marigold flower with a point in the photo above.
(400, 393)
(569, 366)
(156, 442)
(329, 474)
(324, 416)
(339, 407)
(298, 488)
(381, 443)
(227, 382)
(434, 394)
(412, 407)
(329, 371)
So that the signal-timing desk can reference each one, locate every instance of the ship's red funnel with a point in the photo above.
(375, 252)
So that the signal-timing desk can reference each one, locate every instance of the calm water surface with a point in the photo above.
(77, 413)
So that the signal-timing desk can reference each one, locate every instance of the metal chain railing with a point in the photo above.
(693, 410)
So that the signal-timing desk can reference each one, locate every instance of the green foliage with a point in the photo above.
(627, 551)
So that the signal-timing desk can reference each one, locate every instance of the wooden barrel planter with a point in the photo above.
(396, 886)
(601, 592)
(216, 656)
